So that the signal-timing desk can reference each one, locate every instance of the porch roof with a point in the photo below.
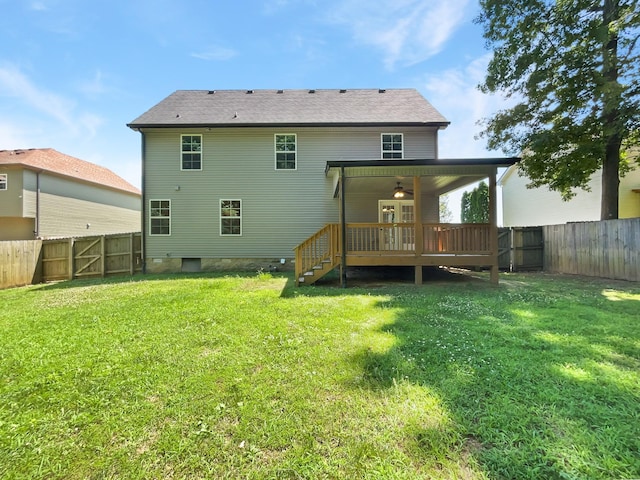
(437, 176)
(418, 166)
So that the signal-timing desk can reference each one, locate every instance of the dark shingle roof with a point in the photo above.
(291, 107)
(50, 160)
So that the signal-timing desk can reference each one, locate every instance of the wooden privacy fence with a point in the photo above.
(20, 263)
(520, 248)
(609, 249)
(34, 261)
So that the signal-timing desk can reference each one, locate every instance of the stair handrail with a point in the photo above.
(322, 246)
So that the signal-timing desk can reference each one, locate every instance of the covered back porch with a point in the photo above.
(389, 216)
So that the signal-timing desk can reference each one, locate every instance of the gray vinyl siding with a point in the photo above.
(67, 206)
(11, 198)
(280, 208)
(82, 217)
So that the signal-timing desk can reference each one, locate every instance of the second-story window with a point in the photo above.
(191, 152)
(3, 181)
(392, 145)
(286, 151)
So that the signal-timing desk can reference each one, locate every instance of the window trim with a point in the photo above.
(295, 152)
(182, 152)
(4, 181)
(151, 217)
(239, 217)
(382, 150)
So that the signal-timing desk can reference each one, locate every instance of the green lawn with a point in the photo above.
(211, 376)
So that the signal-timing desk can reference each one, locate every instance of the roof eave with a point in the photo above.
(138, 126)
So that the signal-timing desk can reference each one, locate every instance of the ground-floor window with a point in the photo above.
(230, 217)
(160, 217)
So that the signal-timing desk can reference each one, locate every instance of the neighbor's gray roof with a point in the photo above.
(291, 107)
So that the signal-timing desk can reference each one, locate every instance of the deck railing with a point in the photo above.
(382, 238)
(392, 239)
(461, 239)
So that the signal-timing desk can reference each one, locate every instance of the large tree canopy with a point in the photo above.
(572, 67)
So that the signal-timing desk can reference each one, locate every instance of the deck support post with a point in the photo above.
(418, 233)
(493, 222)
(343, 232)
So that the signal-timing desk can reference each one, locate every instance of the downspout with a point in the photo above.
(36, 232)
(143, 241)
(343, 231)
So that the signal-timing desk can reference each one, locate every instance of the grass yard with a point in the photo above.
(211, 376)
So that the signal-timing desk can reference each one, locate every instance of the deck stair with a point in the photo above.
(317, 255)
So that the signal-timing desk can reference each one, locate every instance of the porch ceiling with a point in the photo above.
(437, 185)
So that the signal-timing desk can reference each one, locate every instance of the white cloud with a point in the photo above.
(406, 31)
(48, 105)
(455, 94)
(38, 6)
(215, 53)
(12, 137)
(16, 84)
(95, 86)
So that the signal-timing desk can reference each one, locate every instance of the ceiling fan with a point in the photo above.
(400, 192)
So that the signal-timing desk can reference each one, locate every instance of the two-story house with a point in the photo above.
(315, 178)
(45, 194)
(526, 207)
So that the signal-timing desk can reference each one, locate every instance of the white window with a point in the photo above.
(392, 145)
(285, 151)
(3, 181)
(159, 217)
(230, 217)
(191, 152)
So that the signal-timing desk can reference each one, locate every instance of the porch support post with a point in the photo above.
(493, 221)
(343, 231)
(417, 227)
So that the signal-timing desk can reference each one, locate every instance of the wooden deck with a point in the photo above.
(406, 244)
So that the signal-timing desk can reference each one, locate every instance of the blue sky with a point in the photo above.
(73, 73)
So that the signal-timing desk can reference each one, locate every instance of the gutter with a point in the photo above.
(139, 126)
(36, 232)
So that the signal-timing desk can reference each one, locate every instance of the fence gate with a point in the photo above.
(520, 248)
(98, 256)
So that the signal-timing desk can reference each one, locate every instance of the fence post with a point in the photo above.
(71, 258)
(103, 256)
(132, 256)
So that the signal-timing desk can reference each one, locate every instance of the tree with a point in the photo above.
(475, 205)
(445, 213)
(572, 67)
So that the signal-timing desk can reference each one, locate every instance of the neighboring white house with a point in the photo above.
(526, 207)
(45, 194)
(242, 178)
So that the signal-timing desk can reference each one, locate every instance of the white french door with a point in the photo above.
(396, 237)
